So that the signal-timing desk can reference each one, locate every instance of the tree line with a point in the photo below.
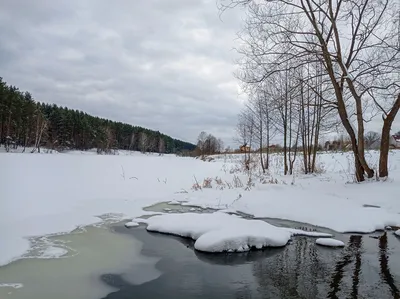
(25, 122)
(313, 66)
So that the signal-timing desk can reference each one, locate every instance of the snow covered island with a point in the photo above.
(131, 224)
(220, 232)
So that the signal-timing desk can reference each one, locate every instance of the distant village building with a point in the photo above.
(245, 148)
(333, 146)
(394, 141)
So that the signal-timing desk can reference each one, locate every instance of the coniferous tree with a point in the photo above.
(27, 123)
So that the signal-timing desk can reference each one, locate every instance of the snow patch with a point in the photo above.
(329, 242)
(174, 202)
(220, 232)
(397, 233)
(300, 232)
(131, 224)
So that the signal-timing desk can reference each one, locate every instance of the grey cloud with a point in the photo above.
(166, 65)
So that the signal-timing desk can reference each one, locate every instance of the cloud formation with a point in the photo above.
(165, 65)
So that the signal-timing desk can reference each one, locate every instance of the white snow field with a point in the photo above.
(328, 242)
(54, 193)
(220, 232)
(397, 232)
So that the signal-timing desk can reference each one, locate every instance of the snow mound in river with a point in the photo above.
(329, 242)
(220, 232)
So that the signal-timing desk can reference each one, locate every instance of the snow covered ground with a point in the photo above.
(52, 193)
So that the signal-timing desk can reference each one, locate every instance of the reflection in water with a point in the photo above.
(306, 271)
(357, 267)
(299, 270)
(353, 249)
(294, 274)
(384, 263)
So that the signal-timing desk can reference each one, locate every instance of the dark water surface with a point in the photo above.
(366, 268)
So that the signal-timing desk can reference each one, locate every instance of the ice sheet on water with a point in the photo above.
(220, 232)
(53, 252)
(11, 285)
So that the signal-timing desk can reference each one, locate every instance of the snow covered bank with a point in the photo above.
(53, 193)
(328, 200)
(48, 194)
(220, 232)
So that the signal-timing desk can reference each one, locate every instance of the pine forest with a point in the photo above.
(25, 122)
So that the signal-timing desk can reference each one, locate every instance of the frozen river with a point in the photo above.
(114, 262)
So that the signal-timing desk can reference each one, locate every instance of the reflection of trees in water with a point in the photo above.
(353, 253)
(295, 273)
(353, 250)
(357, 269)
(384, 265)
(303, 271)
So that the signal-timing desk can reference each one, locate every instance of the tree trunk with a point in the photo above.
(267, 128)
(385, 139)
(261, 145)
(359, 169)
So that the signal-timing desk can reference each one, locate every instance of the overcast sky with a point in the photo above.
(162, 64)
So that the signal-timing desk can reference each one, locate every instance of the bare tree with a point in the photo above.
(201, 142)
(372, 139)
(255, 107)
(356, 42)
(143, 142)
(41, 127)
(208, 144)
(245, 132)
(161, 146)
(388, 119)
(132, 141)
(220, 145)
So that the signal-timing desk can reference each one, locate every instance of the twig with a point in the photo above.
(123, 172)
(197, 183)
(182, 191)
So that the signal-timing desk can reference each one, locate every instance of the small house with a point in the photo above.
(245, 148)
(394, 141)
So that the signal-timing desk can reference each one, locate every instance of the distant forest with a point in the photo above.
(27, 123)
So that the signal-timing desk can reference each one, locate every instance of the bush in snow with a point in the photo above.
(207, 183)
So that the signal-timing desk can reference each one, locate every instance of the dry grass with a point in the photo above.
(207, 183)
